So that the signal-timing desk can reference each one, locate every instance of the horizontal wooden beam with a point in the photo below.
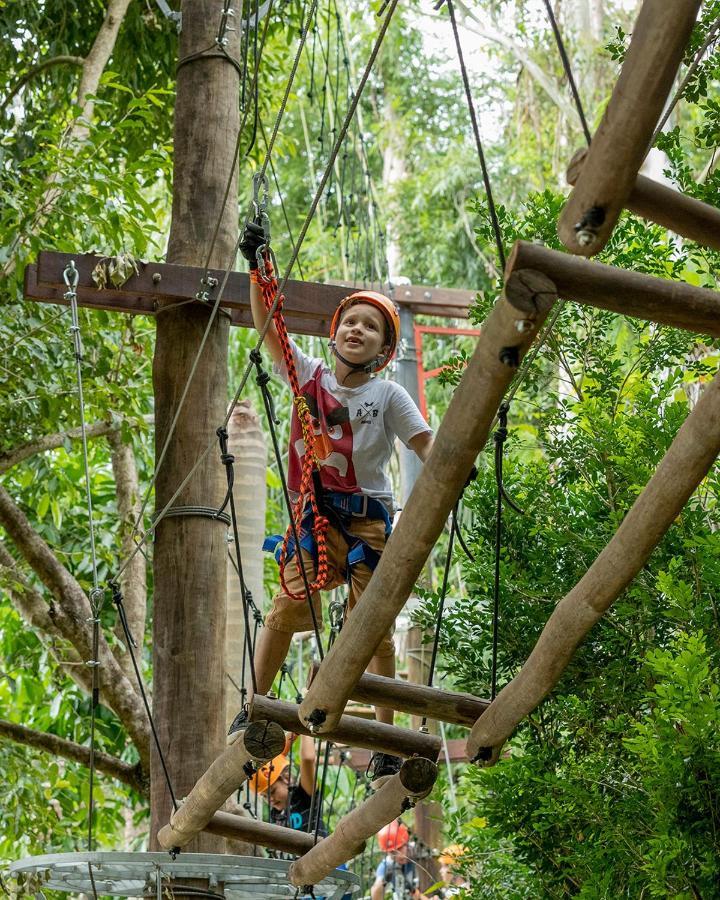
(257, 744)
(418, 699)
(629, 293)
(684, 466)
(659, 39)
(354, 732)
(659, 203)
(358, 759)
(426, 300)
(413, 782)
(262, 834)
(309, 306)
(505, 338)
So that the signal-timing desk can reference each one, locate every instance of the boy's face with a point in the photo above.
(279, 791)
(360, 335)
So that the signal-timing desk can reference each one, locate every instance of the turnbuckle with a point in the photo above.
(71, 277)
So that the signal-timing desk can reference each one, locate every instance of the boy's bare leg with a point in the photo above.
(383, 665)
(270, 653)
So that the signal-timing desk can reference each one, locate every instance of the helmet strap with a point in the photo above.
(368, 367)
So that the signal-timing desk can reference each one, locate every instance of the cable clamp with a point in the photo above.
(93, 663)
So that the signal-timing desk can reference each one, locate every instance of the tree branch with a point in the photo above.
(39, 616)
(117, 691)
(133, 581)
(35, 70)
(10, 458)
(132, 775)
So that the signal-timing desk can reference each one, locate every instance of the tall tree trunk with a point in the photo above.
(191, 553)
(247, 444)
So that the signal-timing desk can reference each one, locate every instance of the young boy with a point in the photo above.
(290, 804)
(356, 419)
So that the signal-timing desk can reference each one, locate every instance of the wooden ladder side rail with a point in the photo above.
(256, 745)
(660, 300)
(261, 834)
(453, 707)
(659, 39)
(414, 781)
(505, 338)
(681, 470)
(350, 730)
(672, 209)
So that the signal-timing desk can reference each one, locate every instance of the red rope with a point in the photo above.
(269, 288)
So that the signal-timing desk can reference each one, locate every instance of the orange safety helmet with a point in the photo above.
(389, 311)
(393, 836)
(268, 774)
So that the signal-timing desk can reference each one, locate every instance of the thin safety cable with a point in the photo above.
(227, 460)
(568, 70)
(131, 644)
(478, 140)
(268, 321)
(500, 437)
(70, 276)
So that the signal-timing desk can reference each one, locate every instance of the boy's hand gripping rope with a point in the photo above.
(265, 278)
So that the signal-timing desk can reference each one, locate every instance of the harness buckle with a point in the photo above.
(362, 513)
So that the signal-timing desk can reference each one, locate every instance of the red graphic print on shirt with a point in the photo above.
(333, 440)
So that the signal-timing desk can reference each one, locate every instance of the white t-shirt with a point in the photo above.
(355, 428)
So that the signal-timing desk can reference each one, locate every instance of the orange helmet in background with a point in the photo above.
(390, 314)
(393, 836)
(451, 854)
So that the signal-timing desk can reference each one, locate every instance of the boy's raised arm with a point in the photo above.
(252, 239)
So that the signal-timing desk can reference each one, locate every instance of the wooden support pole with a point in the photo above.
(628, 293)
(262, 834)
(658, 203)
(683, 467)
(659, 39)
(260, 742)
(414, 781)
(350, 730)
(417, 699)
(505, 338)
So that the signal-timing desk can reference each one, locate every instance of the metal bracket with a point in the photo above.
(171, 14)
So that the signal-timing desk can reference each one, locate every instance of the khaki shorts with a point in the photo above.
(288, 615)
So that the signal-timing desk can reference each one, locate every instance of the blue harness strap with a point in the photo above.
(340, 509)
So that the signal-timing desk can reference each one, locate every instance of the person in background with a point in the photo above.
(454, 880)
(397, 872)
(290, 802)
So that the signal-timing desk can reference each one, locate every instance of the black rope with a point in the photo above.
(461, 540)
(500, 437)
(227, 460)
(118, 601)
(568, 70)
(321, 793)
(441, 606)
(263, 379)
(478, 141)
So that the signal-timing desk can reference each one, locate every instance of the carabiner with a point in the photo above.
(71, 276)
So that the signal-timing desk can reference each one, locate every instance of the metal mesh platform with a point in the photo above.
(152, 875)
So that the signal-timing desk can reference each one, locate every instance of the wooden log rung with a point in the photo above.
(255, 746)
(452, 707)
(671, 209)
(413, 782)
(350, 730)
(262, 834)
(659, 300)
(659, 38)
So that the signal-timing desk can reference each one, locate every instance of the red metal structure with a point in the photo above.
(424, 375)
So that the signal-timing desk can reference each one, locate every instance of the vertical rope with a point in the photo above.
(568, 70)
